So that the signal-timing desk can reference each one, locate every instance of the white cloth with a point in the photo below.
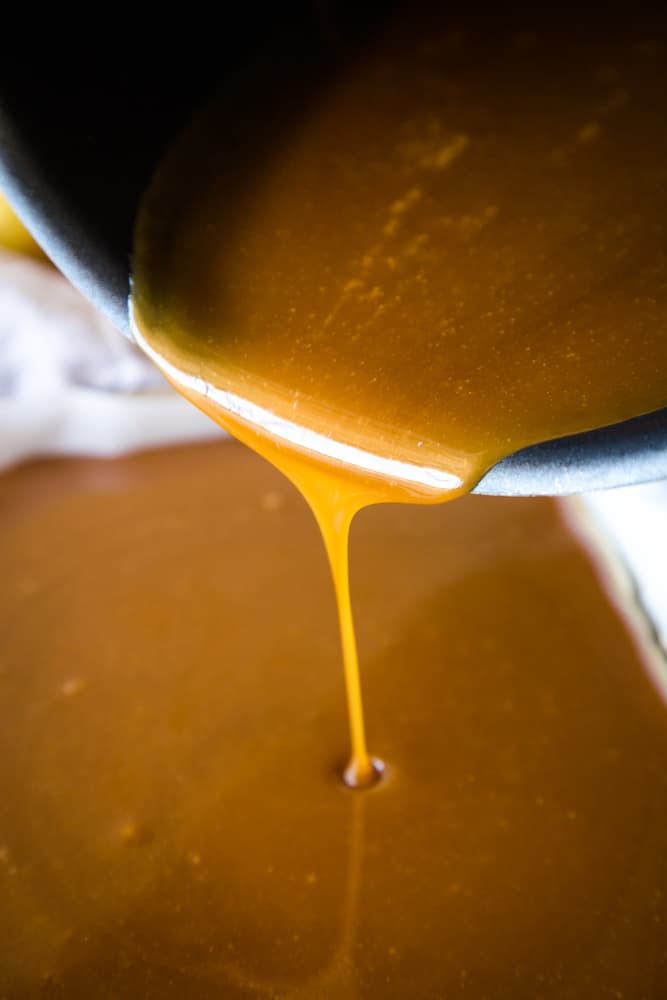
(70, 384)
(635, 520)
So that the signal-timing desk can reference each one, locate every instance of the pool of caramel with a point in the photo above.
(173, 725)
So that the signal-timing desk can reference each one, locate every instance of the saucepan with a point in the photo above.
(81, 134)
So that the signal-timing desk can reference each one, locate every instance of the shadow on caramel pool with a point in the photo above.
(172, 820)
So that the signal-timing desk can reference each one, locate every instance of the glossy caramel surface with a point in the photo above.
(172, 726)
(447, 245)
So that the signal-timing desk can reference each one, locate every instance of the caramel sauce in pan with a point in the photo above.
(172, 819)
(454, 249)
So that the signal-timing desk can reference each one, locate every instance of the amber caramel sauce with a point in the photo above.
(450, 247)
(172, 820)
(453, 248)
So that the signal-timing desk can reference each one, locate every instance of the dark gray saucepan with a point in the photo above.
(81, 132)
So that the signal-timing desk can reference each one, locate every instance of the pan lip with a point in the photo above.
(628, 453)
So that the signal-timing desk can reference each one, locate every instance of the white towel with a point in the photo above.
(70, 384)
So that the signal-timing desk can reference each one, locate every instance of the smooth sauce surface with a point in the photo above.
(448, 246)
(172, 822)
